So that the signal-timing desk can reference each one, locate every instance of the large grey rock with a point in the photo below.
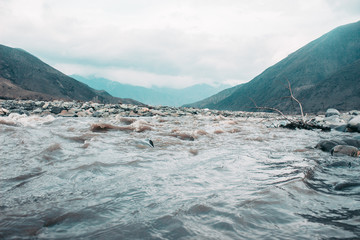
(332, 112)
(327, 145)
(334, 121)
(354, 124)
(345, 150)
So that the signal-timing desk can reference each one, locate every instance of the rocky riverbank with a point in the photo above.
(90, 109)
(345, 122)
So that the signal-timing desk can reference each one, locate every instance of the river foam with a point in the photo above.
(207, 177)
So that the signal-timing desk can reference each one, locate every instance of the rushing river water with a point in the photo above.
(207, 177)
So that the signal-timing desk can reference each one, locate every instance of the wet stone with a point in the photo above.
(354, 124)
(332, 112)
(56, 110)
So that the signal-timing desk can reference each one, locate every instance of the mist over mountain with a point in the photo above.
(324, 73)
(154, 95)
(24, 76)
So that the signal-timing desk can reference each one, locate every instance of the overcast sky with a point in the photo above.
(167, 42)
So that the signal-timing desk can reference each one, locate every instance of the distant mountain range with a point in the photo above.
(154, 95)
(23, 76)
(325, 73)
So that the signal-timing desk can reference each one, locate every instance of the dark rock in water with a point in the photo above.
(341, 128)
(327, 145)
(56, 110)
(354, 112)
(29, 106)
(353, 142)
(332, 112)
(345, 150)
(346, 185)
(97, 114)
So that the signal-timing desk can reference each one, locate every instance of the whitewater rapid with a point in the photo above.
(207, 177)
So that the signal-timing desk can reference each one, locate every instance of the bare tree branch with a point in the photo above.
(294, 124)
(300, 105)
(271, 109)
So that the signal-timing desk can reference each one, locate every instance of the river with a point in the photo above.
(207, 177)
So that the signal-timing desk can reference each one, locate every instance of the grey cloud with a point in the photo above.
(203, 40)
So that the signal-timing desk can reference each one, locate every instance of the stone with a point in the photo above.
(37, 111)
(29, 106)
(46, 105)
(39, 103)
(327, 145)
(354, 124)
(334, 121)
(56, 110)
(345, 150)
(332, 112)
(83, 114)
(353, 142)
(341, 128)
(96, 106)
(4, 112)
(354, 112)
(67, 113)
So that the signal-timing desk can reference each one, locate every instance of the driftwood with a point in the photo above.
(308, 126)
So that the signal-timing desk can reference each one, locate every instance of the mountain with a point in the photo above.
(154, 95)
(211, 101)
(23, 76)
(324, 73)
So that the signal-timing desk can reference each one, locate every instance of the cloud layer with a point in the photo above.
(168, 43)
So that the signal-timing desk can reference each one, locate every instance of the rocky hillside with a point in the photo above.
(325, 73)
(23, 76)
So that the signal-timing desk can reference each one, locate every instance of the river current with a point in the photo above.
(207, 177)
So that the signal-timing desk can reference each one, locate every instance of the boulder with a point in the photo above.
(56, 110)
(4, 112)
(334, 120)
(327, 145)
(332, 112)
(341, 128)
(345, 150)
(354, 112)
(354, 124)
(67, 113)
(352, 142)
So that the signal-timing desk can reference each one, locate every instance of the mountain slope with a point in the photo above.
(26, 77)
(318, 65)
(339, 90)
(211, 101)
(154, 95)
